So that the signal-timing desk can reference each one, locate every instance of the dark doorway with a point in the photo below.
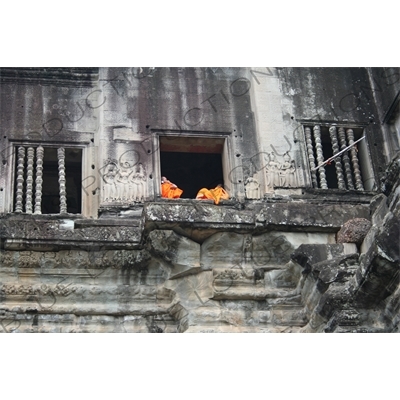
(192, 171)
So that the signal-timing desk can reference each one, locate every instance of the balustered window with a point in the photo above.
(351, 170)
(48, 180)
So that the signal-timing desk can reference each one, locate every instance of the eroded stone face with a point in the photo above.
(181, 254)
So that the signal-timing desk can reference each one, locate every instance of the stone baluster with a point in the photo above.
(311, 158)
(39, 179)
(20, 179)
(29, 180)
(354, 160)
(61, 180)
(320, 156)
(346, 160)
(337, 160)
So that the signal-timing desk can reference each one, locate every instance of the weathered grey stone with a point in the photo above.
(379, 209)
(308, 255)
(288, 277)
(192, 290)
(223, 249)
(181, 253)
(354, 231)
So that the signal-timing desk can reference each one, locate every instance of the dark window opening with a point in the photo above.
(73, 176)
(192, 171)
(330, 170)
(192, 163)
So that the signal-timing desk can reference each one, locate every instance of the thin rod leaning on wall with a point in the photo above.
(346, 160)
(320, 156)
(338, 163)
(20, 179)
(354, 160)
(328, 160)
(61, 180)
(311, 158)
(29, 180)
(39, 179)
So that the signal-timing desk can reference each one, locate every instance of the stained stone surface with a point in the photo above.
(354, 231)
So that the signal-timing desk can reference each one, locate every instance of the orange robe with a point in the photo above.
(213, 194)
(169, 192)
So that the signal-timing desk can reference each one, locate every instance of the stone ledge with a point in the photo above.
(200, 220)
(86, 223)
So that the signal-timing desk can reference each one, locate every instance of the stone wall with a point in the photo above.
(283, 254)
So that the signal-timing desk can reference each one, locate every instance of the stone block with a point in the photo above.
(309, 254)
(378, 208)
(192, 290)
(179, 252)
(354, 231)
(223, 249)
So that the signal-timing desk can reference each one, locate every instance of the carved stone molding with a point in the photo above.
(50, 230)
(75, 259)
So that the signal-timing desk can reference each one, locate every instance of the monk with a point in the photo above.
(215, 194)
(169, 190)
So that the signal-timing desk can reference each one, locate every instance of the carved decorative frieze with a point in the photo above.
(124, 182)
(138, 183)
(287, 172)
(110, 184)
(49, 230)
(252, 188)
(272, 169)
(61, 290)
(75, 259)
(281, 173)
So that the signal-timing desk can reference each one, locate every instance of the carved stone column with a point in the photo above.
(39, 179)
(346, 160)
(29, 181)
(337, 160)
(20, 179)
(311, 158)
(320, 156)
(354, 160)
(61, 180)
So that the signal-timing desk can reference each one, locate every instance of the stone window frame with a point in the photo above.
(231, 167)
(10, 172)
(363, 154)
